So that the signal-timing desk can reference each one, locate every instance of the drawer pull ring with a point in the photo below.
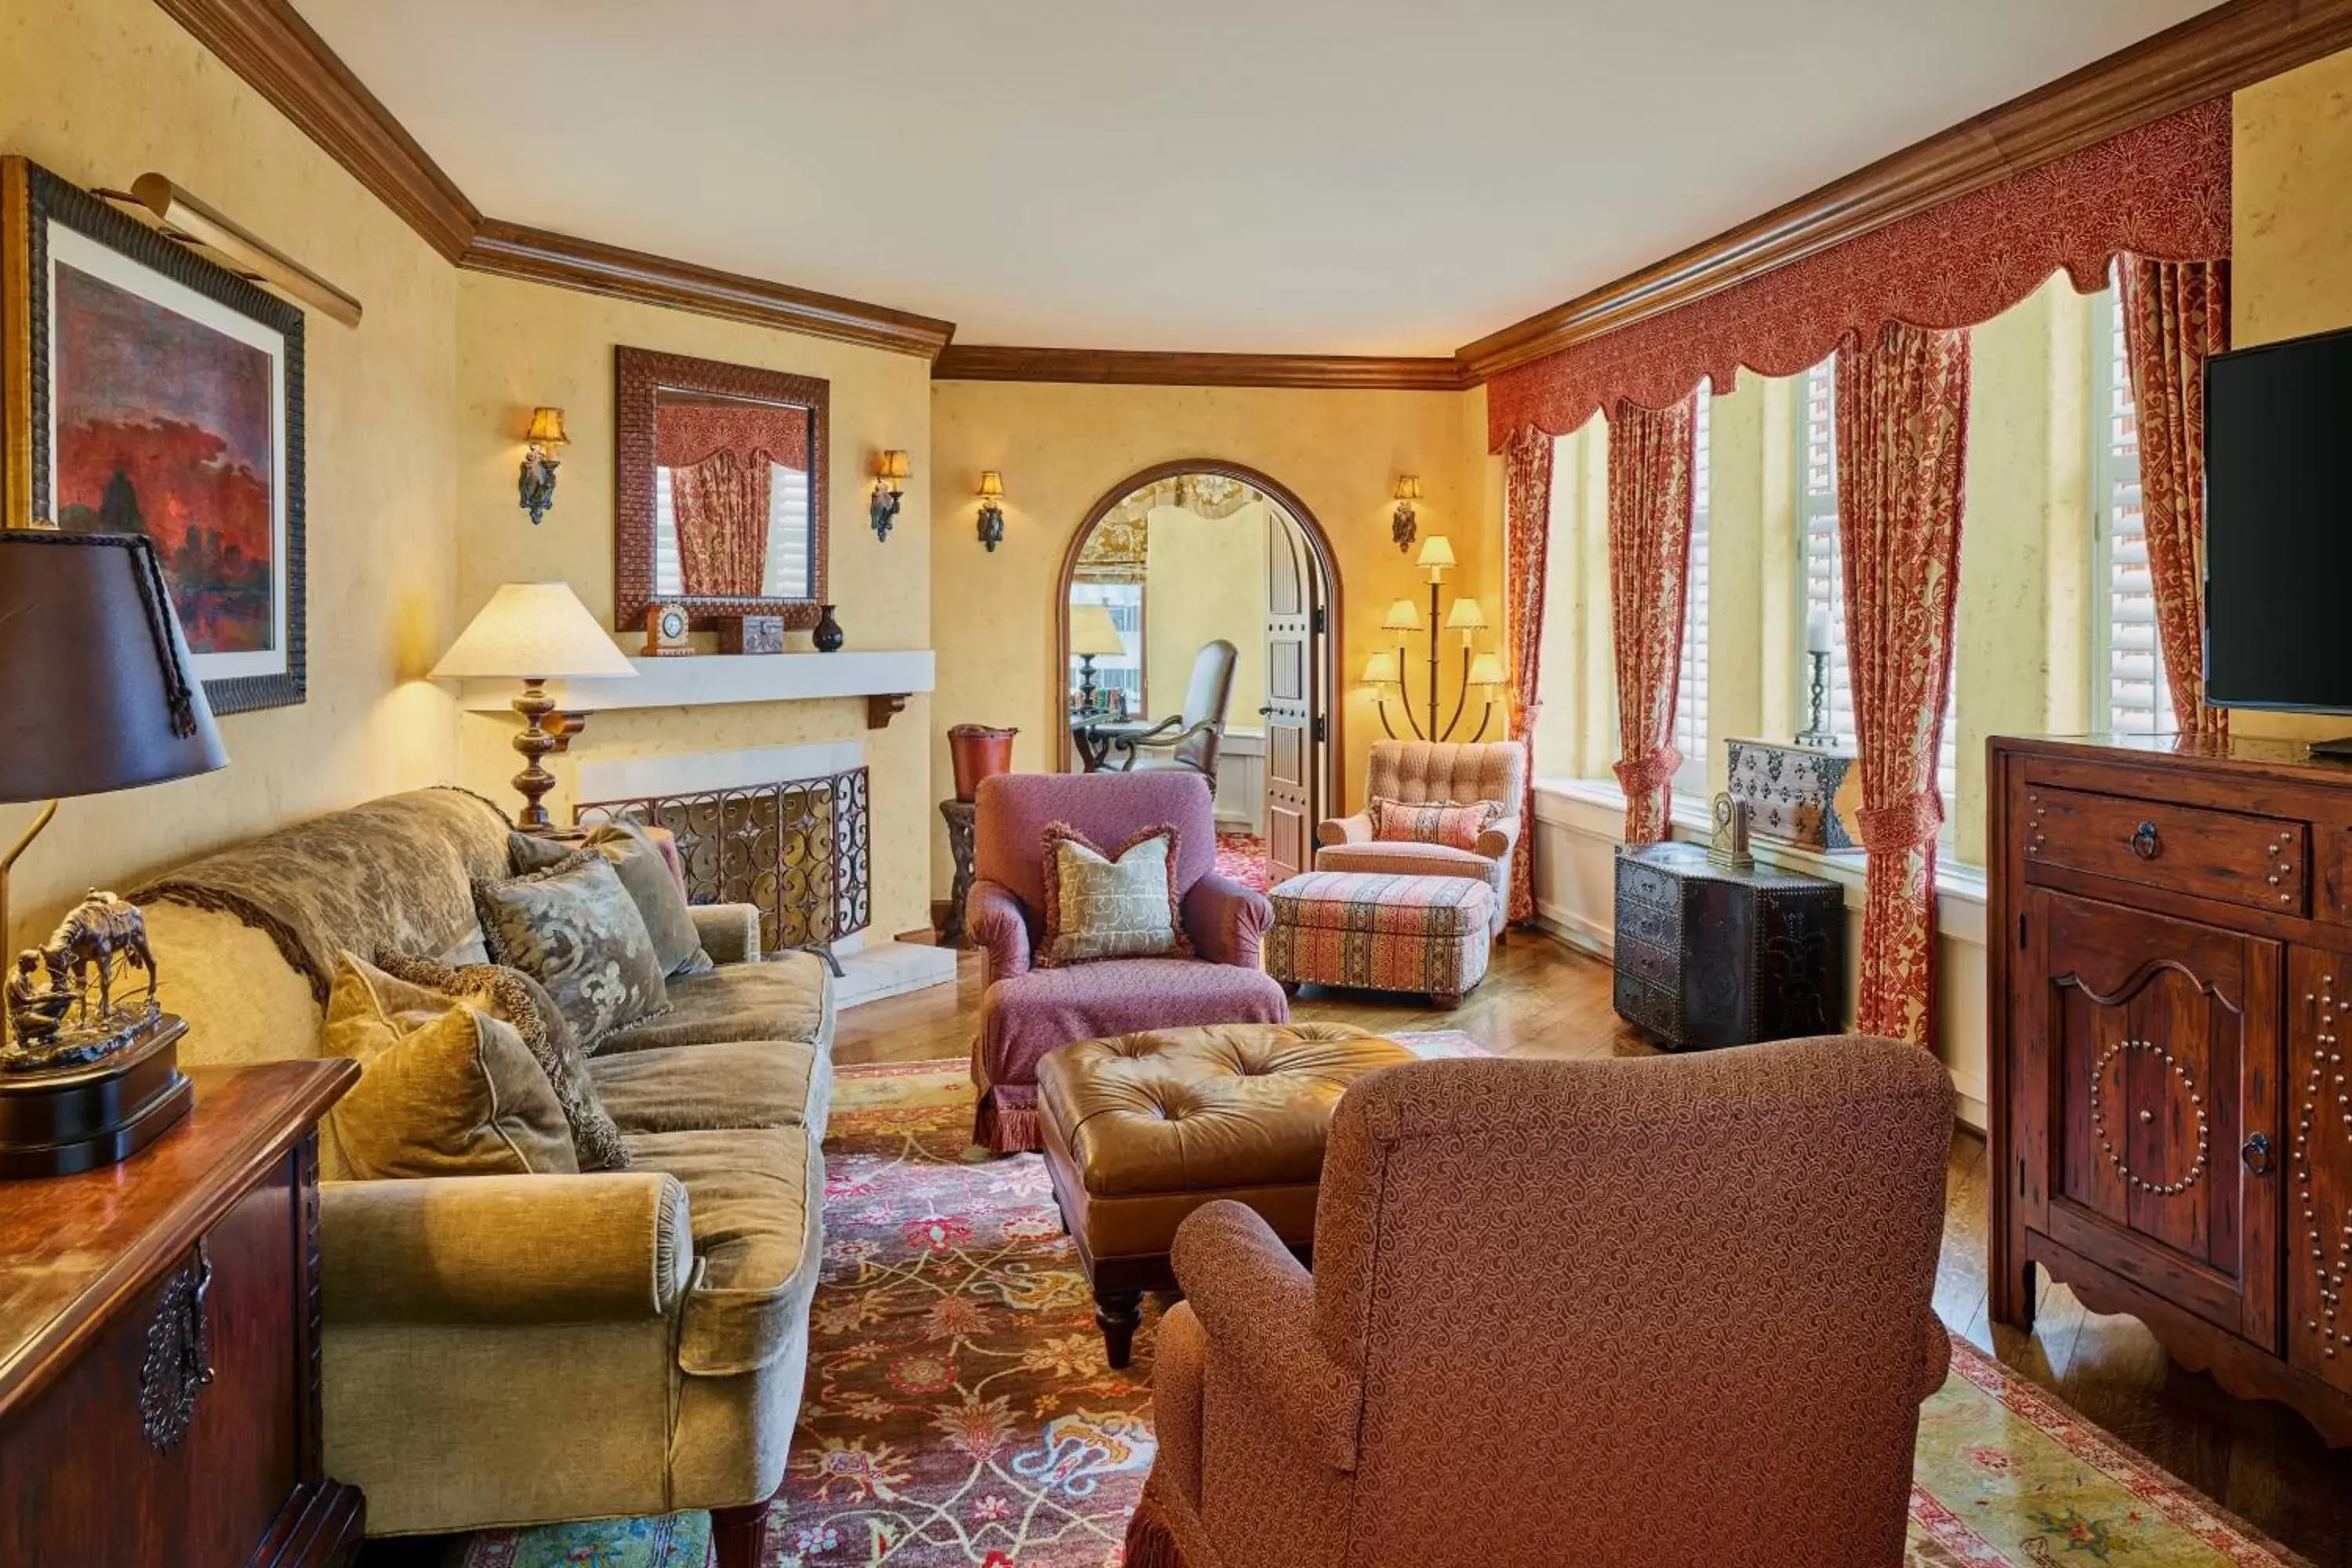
(2145, 843)
(2257, 1154)
(178, 1362)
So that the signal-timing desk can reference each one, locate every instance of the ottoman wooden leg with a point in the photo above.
(1446, 998)
(1290, 988)
(1118, 1312)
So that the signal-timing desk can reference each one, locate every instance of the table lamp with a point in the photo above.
(96, 694)
(1093, 635)
(534, 633)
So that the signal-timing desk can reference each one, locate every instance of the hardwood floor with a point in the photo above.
(1543, 999)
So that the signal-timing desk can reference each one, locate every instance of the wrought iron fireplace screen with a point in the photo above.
(801, 849)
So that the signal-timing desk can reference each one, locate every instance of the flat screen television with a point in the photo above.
(2278, 527)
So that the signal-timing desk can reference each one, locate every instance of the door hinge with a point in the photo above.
(1317, 621)
(2021, 1175)
(1322, 730)
(2021, 933)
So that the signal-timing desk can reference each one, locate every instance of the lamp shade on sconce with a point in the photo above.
(1404, 616)
(992, 485)
(547, 428)
(1466, 617)
(892, 465)
(1408, 487)
(1092, 634)
(97, 691)
(1486, 669)
(1436, 552)
(1381, 670)
(533, 631)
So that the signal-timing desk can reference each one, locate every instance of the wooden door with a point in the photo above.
(2315, 1158)
(2151, 1054)
(1294, 697)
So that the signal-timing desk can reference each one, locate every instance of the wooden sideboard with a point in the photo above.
(2170, 973)
(158, 1344)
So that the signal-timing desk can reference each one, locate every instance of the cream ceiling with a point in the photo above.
(1243, 175)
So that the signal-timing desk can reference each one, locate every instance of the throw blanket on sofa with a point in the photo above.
(396, 872)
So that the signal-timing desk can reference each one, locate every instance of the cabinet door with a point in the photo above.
(2159, 1039)
(2317, 1166)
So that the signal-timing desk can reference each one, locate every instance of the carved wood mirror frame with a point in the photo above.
(639, 376)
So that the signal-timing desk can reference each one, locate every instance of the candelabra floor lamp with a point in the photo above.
(1385, 672)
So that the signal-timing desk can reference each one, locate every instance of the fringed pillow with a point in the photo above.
(1120, 905)
(1455, 824)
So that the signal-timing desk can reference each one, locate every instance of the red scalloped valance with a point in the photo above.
(686, 433)
(2161, 191)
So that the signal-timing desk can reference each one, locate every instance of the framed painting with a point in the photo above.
(149, 391)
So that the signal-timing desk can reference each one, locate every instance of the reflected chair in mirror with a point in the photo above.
(1188, 741)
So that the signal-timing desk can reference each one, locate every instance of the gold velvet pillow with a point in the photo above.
(444, 1089)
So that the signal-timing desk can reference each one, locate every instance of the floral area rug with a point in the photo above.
(1241, 858)
(958, 1413)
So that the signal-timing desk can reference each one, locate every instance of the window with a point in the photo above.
(2138, 702)
(1824, 578)
(1690, 700)
(1119, 677)
(786, 575)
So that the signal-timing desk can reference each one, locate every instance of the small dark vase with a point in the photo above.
(827, 636)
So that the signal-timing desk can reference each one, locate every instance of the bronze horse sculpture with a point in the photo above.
(98, 930)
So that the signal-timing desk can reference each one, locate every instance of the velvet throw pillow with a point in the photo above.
(444, 1089)
(1455, 824)
(575, 929)
(1119, 905)
(524, 1005)
(649, 875)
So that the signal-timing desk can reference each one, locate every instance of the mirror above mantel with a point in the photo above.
(719, 493)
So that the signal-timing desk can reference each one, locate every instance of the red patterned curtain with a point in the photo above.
(721, 508)
(1527, 520)
(1649, 562)
(2175, 314)
(1902, 448)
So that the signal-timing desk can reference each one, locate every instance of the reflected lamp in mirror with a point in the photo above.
(992, 508)
(534, 633)
(1437, 555)
(1093, 635)
(1401, 526)
(719, 492)
(538, 461)
(890, 472)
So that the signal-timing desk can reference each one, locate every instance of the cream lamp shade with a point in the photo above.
(1092, 631)
(1436, 552)
(547, 428)
(1381, 670)
(991, 487)
(1404, 616)
(1466, 617)
(1486, 669)
(533, 631)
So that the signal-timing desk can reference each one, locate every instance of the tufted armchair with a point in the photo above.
(1618, 1313)
(1417, 772)
(1027, 1011)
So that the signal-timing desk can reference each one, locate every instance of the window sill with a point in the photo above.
(1582, 803)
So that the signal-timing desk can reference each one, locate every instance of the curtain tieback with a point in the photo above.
(1647, 776)
(1902, 828)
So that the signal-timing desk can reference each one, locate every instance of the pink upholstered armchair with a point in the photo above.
(1417, 772)
(1618, 1313)
(1028, 1010)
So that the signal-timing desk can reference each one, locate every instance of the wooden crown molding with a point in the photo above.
(541, 256)
(268, 44)
(2217, 52)
(1124, 367)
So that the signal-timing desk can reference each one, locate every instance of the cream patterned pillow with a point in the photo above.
(1121, 905)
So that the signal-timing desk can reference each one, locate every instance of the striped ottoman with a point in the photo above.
(1380, 932)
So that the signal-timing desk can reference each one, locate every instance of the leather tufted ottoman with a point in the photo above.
(1141, 1130)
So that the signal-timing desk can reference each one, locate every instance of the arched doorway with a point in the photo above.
(1284, 720)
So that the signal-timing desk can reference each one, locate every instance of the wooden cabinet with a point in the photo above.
(2171, 1136)
(159, 1344)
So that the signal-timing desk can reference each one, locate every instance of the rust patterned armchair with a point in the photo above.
(1418, 772)
(1639, 1313)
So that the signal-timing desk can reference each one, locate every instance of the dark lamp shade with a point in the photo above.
(97, 691)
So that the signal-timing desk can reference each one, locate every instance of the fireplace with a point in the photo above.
(798, 848)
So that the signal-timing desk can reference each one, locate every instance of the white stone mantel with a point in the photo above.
(693, 680)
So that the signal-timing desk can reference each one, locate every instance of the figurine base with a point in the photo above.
(67, 1120)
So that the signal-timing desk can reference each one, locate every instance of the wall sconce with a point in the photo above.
(992, 515)
(1403, 525)
(890, 472)
(538, 464)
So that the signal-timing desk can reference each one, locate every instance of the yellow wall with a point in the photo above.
(100, 91)
(1060, 448)
(1204, 579)
(521, 345)
(2291, 232)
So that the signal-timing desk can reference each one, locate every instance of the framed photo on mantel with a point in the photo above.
(144, 389)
